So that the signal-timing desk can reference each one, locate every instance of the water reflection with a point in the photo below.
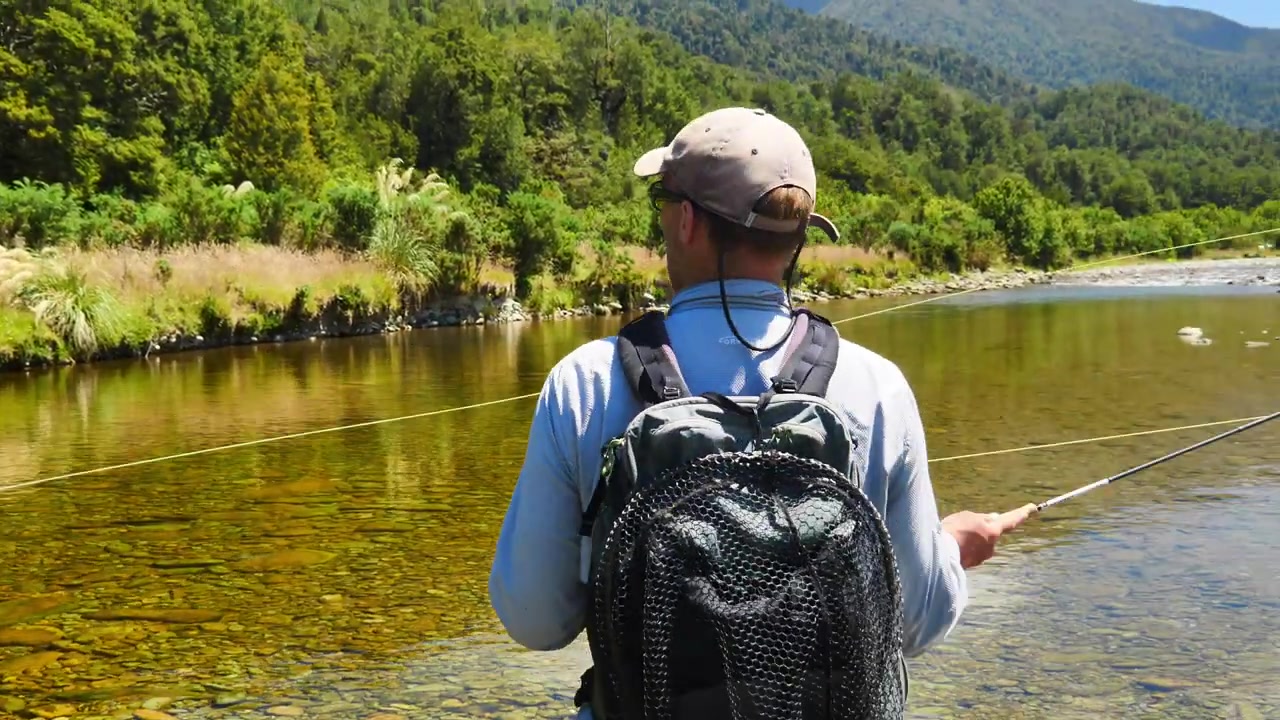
(345, 572)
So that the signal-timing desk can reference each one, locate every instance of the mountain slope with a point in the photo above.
(1225, 69)
(767, 36)
(535, 114)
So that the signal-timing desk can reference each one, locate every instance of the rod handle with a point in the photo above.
(1010, 521)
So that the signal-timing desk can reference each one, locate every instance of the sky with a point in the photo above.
(1255, 13)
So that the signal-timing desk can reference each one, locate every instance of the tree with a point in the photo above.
(536, 242)
(269, 140)
(1011, 205)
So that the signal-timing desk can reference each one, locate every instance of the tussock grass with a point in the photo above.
(83, 315)
(412, 221)
(80, 315)
(80, 302)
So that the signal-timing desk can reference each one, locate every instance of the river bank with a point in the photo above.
(1244, 272)
(329, 298)
(194, 303)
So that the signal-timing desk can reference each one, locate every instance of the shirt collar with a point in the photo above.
(738, 291)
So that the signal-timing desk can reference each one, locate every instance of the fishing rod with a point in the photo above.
(1040, 507)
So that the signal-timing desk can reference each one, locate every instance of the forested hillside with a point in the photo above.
(158, 124)
(770, 37)
(1218, 66)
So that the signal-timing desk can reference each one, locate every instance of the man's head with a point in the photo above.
(737, 180)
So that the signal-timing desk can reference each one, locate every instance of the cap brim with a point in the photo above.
(651, 163)
(828, 227)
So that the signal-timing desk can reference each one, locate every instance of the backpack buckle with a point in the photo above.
(670, 393)
(785, 385)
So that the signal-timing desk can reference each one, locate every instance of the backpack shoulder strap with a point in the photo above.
(647, 360)
(653, 373)
(812, 351)
(650, 367)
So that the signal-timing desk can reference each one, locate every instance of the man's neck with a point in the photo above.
(752, 279)
(737, 290)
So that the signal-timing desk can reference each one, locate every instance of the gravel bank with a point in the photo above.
(1237, 271)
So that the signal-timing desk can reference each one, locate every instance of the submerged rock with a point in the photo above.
(1195, 340)
(28, 663)
(283, 560)
(31, 637)
(24, 609)
(184, 563)
(1244, 711)
(173, 615)
(149, 714)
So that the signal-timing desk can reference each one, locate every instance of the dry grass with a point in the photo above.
(150, 293)
(273, 274)
(650, 264)
(1206, 252)
(160, 291)
(647, 262)
(17, 266)
(497, 275)
(840, 255)
(1213, 253)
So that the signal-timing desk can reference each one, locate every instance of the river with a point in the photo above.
(343, 575)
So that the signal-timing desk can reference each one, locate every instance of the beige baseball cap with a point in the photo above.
(727, 159)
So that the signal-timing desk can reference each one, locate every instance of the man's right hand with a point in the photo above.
(977, 533)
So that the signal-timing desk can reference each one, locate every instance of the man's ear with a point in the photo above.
(688, 223)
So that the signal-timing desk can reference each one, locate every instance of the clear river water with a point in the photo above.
(343, 575)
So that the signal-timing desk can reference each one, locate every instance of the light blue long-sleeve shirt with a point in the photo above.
(537, 582)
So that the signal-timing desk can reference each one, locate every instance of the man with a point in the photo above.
(736, 194)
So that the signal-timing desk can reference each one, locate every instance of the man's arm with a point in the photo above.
(533, 585)
(934, 586)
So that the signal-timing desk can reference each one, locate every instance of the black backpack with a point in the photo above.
(737, 569)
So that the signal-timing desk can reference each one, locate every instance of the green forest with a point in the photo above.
(364, 155)
(1218, 66)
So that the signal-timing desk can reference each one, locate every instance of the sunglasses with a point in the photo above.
(659, 195)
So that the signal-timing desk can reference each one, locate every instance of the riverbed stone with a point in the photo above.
(30, 663)
(49, 712)
(28, 637)
(285, 559)
(186, 563)
(1243, 711)
(161, 615)
(13, 612)
(229, 699)
(149, 714)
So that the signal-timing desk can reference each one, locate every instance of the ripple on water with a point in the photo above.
(1185, 638)
(1162, 610)
(344, 575)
